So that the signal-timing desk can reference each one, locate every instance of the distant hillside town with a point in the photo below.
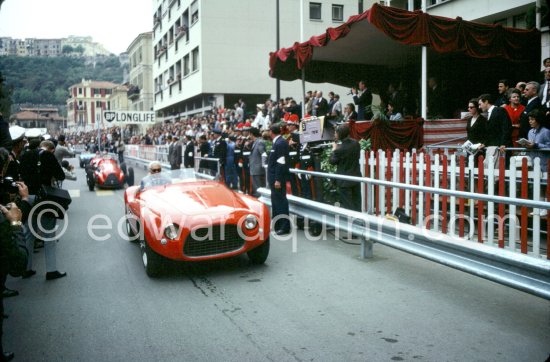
(74, 46)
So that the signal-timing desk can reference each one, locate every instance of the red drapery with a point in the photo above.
(403, 135)
(443, 35)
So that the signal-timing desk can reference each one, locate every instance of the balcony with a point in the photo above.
(181, 31)
(161, 50)
(133, 92)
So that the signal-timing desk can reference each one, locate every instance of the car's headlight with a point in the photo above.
(250, 222)
(171, 231)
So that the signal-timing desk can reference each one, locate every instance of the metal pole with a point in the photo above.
(303, 69)
(278, 81)
(538, 14)
(424, 80)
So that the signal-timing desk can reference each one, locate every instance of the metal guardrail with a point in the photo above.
(522, 272)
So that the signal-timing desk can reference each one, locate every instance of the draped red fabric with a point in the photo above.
(407, 134)
(443, 35)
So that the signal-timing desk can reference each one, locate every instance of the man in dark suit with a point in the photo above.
(175, 160)
(499, 127)
(277, 176)
(531, 94)
(345, 155)
(320, 107)
(204, 152)
(219, 150)
(363, 99)
(189, 156)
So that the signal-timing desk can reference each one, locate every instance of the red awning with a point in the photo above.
(373, 44)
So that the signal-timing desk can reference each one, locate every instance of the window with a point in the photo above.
(195, 56)
(98, 104)
(186, 65)
(337, 12)
(79, 90)
(315, 11)
(520, 21)
(194, 12)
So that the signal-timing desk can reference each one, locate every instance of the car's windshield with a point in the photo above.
(171, 177)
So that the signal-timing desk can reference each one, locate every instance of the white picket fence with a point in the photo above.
(499, 226)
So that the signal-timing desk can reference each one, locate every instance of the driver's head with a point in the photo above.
(155, 167)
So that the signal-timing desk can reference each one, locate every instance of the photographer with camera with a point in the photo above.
(13, 256)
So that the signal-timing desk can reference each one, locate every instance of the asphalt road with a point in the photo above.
(319, 302)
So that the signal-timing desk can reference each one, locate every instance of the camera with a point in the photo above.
(7, 184)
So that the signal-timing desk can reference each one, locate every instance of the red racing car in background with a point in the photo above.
(179, 216)
(104, 171)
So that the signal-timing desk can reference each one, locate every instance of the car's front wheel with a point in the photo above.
(152, 262)
(132, 236)
(259, 254)
(130, 177)
(90, 180)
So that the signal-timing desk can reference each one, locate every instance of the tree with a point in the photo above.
(67, 49)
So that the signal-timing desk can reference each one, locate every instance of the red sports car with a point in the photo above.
(179, 216)
(105, 172)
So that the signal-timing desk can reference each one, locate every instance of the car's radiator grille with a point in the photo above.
(111, 180)
(210, 241)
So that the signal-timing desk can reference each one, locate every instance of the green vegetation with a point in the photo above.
(40, 80)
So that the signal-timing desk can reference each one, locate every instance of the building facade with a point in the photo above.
(205, 56)
(140, 54)
(45, 118)
(51, 47)
(88, 99)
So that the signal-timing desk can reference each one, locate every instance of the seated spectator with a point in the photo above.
(392, 113)
(539, 137)
(349, 112)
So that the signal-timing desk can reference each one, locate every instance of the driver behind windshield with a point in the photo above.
(155, 176)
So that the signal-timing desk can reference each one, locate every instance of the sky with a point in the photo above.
(113, 23)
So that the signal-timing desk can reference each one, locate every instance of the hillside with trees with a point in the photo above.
(41, 80)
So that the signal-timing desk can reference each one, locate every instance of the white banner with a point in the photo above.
(129, 117)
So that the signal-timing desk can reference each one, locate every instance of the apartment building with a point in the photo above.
(50, 47)
(88, 99)
(211, 53)
(140, 55)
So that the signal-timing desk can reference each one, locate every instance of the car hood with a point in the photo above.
(194, 198)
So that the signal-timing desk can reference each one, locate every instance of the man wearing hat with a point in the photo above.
(18, 141)
(277, 176)
(219, 150)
